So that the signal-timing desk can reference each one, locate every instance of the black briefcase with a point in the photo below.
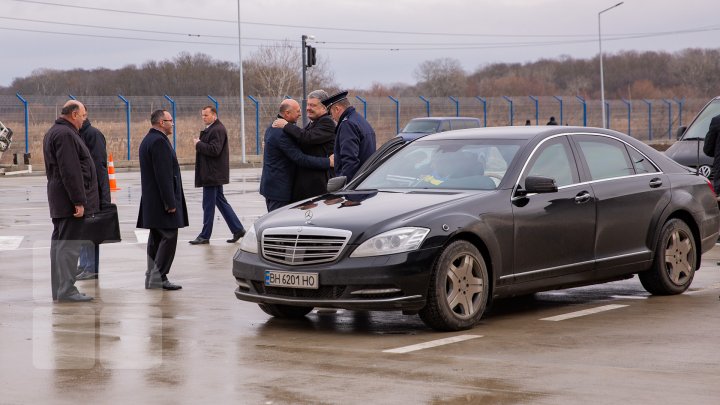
(103, 226)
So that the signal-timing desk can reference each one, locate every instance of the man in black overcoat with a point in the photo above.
(162, 203)
(212, 170)
(711, 147)
(316, 139)
(72, 191)
(95, 141)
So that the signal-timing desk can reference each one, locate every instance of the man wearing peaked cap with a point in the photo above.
(354, 137)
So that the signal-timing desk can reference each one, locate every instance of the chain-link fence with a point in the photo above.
(643, 119)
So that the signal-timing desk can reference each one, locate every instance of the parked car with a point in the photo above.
(451, 221)
(687, 150)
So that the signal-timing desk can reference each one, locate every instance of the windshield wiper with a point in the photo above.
(695, 138)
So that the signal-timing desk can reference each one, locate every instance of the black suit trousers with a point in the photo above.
(64, 252)
(160, 253)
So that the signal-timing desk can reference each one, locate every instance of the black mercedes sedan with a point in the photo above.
(451, 221)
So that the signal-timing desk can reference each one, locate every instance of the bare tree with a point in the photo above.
(441, 77)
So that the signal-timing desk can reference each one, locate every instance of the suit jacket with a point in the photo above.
(212, 156)
(70, 171)
(317, 139)
(96, 144)
(354, 143)
(280, 159)
(161, 184)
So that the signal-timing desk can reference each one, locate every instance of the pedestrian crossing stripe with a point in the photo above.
(142, 235)
(10, 242)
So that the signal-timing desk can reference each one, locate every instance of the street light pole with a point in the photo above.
(305, 64)
(602, 79)
(242, 92)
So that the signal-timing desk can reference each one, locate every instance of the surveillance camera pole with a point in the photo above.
(602, 80)
(304, 80)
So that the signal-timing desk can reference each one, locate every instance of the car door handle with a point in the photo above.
(655, 183)
(582, 197)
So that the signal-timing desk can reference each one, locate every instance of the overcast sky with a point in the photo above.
(364, 41)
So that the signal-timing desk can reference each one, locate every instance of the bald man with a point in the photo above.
(281, 158)
(72, 193)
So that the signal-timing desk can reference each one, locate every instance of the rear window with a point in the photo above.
(465, 124)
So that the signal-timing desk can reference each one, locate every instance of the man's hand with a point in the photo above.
(196, 140)
(79, 211)
(172, 210)
(279, 123)
(332, 160)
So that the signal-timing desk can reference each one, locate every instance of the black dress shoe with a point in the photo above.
(236, 236)
(199, 241)
(167, 285)
(86, 275)
(77, 297)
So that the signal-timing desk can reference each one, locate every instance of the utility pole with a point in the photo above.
(308, 60)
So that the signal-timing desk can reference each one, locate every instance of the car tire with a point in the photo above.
(285, 311)
(673, 269)
(458, 291)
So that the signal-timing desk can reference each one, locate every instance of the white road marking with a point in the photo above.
(432, 343)
(584, 312)
(710, 287)
(10, 242)
(629, 297)
(142, 235)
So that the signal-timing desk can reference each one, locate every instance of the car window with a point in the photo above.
(464, 124)
(445, 164)
(554, 159)
(422, 126)
(606, 158)
(444, 126)
(699, 127)
(641, 163)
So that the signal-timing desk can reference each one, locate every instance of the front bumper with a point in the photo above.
(392, 282)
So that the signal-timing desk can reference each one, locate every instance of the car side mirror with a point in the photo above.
(680, 132)
(538, 184)
(336, 183)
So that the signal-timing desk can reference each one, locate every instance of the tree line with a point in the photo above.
(276, 71)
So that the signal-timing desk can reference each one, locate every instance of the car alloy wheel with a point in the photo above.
(675, 260)
(458, 290)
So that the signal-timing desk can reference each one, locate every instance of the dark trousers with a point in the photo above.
(64, 252)
(213, 196)
(160, 253)
(272, 205)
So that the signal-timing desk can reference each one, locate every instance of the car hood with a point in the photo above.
(686, 153)
(358, 212)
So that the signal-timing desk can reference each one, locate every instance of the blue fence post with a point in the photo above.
(397, 113)
(72, 97)
(484, 102)
(584, 106)
(362, 100)
(649, 104)
(629, 108)
(680, 108)
(427, 104)
(537, 110)
(457, 105)
(127, 122)
(512, 111)
(669, 106)
(172, 103)
(27, 120)
(257, 124)
(217, 106)
(607, 113)
(560, 100)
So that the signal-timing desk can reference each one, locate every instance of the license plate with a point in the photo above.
(291, 279)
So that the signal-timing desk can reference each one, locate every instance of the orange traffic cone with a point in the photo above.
(111, 174)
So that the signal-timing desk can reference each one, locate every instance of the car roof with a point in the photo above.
(515, 132)
(444, 118)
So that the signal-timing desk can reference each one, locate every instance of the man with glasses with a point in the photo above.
(162, 203)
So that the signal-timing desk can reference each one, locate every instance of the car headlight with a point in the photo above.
(390, 242)
(249, 242)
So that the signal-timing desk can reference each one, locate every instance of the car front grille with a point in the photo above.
(326, 292)
(300, 245)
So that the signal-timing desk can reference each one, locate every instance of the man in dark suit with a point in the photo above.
(95, 142)
(280, 158)
(72, 191)
(317, 139)
(354, 137)
(212, 170)
(162, 204)
(711, 147)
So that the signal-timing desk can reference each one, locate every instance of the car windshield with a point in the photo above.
(422, 126)
(445, 164)
(700, 126)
